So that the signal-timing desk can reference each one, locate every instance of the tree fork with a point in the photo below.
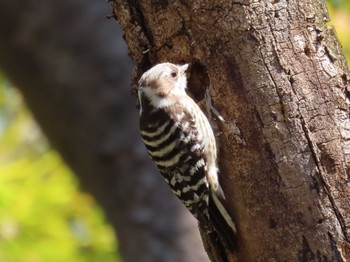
(277, 74)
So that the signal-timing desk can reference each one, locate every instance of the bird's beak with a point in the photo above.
(184, 67)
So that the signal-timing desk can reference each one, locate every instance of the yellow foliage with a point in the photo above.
(339, 11)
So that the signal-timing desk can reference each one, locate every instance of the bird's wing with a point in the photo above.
(196, 204)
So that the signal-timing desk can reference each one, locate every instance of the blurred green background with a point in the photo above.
(43, 215)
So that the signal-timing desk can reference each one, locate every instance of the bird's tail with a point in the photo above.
(222, 223)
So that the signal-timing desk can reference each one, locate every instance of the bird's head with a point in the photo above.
(162, 83)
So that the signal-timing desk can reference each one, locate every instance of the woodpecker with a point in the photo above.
(181, 142)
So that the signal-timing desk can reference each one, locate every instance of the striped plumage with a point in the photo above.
(181, 142)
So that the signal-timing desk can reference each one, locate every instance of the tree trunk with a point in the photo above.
(277, 74)
(72, 67)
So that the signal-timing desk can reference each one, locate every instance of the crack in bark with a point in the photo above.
(337, 255)
(306, 253)
(325, 185)
(305, 129)
(139, 20)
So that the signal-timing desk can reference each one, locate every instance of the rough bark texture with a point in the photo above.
(71, 65)
(277, 74)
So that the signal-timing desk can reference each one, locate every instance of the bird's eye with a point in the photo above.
(173, 74)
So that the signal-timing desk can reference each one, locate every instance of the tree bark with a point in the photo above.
(72, 67)
(277, 74)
